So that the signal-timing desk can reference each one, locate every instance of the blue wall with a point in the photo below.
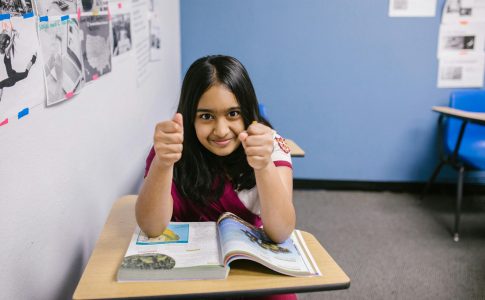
(353, 87)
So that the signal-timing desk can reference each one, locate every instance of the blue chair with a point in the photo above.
(262, 110)
(462, 143)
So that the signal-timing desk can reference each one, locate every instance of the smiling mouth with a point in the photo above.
(222, 143)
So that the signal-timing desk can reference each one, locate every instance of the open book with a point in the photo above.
(203, 250)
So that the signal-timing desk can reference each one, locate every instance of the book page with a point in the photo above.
(239, 240)
(188, 244)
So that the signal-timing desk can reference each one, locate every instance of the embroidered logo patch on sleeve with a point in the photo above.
(283, 145)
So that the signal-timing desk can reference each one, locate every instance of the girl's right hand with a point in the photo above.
(168, 140)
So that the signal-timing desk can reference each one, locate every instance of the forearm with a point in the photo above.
(154, 205)
(277, 210)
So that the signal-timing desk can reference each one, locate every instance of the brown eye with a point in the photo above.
(234, 113)
(206, 116)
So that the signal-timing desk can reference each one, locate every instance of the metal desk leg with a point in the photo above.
(459, 196)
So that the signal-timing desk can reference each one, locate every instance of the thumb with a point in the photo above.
(242, 137)
(177, 118)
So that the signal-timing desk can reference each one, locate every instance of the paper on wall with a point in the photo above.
(463, 11)
(460, 40)
(155, 32)
(62, 58)
(121, 32)
(141, 38)
(464, 72)
(21, 80)
(55, 7)
(95, 45)
(412, 8)
(92, 7)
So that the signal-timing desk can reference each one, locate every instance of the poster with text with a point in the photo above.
(463, 11)
(461, 40)
(155, 30)
(16, 8)
(21, 80)
(93, 6)
(141, 38)
(412, 8)
(61, 51)
(121, 39)
(155, 37)
(461, 72)
(56, 7)
(95, 46)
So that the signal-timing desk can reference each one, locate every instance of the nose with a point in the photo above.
(221, 128)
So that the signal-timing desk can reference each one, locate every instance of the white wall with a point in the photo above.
(62, 167)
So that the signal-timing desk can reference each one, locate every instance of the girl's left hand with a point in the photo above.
(257, 141)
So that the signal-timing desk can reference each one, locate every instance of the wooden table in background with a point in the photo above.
(469, 116)
(296, 151)
(250, 279)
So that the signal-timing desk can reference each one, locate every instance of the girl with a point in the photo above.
(217, 154)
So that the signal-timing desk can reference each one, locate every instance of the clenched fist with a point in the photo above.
(257, 141)
(168, 139)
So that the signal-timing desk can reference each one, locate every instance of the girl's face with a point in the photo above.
(218, 121)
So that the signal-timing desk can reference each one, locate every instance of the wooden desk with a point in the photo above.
(296, 151)
(98, 280)
(473, 117)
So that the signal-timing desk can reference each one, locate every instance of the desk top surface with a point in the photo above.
(476, 117)
(99, 278)
(296, 151)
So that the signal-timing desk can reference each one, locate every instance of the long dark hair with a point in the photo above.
(200, 175)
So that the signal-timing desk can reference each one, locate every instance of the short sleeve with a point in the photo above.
(150, 157)
(281, 155)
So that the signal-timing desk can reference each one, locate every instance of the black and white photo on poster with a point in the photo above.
(21, 80)
(461, 72)
(56, 7)
(95, 46)
(467, 39)
(61, 52)
(121, 33)
(155, 37)
(93, 6)
(16, 7)
(461, 11)
(154, 29)
(121, 30)
(459, 42)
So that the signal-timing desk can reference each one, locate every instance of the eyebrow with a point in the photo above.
(211, 111)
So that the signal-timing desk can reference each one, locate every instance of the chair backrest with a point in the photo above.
(262, 110)
(470, 101)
